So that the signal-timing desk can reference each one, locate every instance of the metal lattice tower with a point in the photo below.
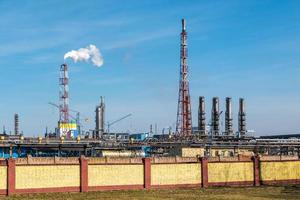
(64, 94)
(184, 115)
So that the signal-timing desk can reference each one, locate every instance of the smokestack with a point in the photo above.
(201, 116)
(242, 118)
(4, 130)
(215, 117)
(16, 124)
(100, 117)
(183, 24)
(151, 129)
(228, 118)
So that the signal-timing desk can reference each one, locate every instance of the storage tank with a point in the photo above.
(122, 153)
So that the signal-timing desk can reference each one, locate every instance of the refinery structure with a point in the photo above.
(206, 138)
(184, 115)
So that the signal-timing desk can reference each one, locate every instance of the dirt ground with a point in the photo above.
(287, 192)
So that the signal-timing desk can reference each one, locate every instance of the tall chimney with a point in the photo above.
(183, 24)
(201, 116)
(100, 117)
(242, 117)
(16, 124)
(151, 129)
(215, 117)
(228, 118)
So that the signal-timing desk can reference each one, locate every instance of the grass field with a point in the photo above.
(289, 192)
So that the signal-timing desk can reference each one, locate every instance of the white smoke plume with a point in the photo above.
(90, 53)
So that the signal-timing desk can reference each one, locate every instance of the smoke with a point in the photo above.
(90, 53)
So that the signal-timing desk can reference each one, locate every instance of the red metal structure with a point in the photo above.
(184, 115)
(64, 94)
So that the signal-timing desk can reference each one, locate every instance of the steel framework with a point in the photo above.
(184, 116)
(64, 94)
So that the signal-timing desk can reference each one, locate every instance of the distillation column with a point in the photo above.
(201, 116)
(228, 118)
(215, 117)
(242, 118)
(100, 117)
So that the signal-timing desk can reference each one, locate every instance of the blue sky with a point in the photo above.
(244, 49)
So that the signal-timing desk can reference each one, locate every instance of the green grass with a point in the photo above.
(288, 192)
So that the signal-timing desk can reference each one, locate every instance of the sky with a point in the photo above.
(246, 49)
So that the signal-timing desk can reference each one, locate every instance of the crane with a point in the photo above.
(109, 124)
(77, 118)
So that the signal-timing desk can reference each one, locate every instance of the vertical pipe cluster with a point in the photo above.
(201, 116)
(228, 118)
(215, 117)
(16, 124)
(242, 118)
(100, 117)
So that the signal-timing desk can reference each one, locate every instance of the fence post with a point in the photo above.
(147, 173)
(83, 174)
(11, 176)
(256, 170)
(204, 172)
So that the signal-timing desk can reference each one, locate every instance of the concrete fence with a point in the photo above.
(38, 175)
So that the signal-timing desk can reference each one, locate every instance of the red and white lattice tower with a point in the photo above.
(64, 94)
(184, 115)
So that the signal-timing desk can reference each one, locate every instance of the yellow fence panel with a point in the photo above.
(110, 175)
(284, 170)
(3, 177)
(230, 172)
(173, 174)
(51, 176)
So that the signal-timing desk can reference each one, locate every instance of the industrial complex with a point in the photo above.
(71, 159)
(204, 139)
